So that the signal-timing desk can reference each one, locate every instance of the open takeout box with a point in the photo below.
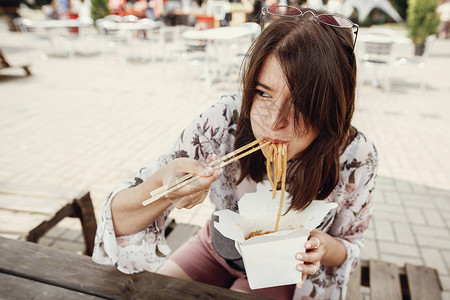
(269, 259)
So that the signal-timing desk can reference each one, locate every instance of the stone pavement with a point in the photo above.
(88, 122)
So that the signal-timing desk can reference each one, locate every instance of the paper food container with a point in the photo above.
(269, 259)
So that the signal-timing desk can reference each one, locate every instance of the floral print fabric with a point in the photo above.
(213, 132)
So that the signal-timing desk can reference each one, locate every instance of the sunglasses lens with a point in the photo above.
(335, 21)
(284, 11)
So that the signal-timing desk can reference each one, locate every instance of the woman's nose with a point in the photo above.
(270, 117)
(273, 121)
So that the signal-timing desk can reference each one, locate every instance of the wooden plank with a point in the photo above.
(38, 231)
(30, 210)
(20, 222)
(42, 191)
(14, 287)
(384, 281)
(354, 284)
(423, 283)
(85, 211)
(79, 273)
(32, 204)
(365, 280)
(180, 234)
(11, 236)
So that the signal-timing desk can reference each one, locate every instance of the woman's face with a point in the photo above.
(271, 93)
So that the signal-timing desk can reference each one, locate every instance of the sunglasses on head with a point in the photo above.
(326, 19)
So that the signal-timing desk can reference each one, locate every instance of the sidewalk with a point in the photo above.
(88, 122)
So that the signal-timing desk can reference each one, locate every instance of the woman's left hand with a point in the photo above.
(315, 250)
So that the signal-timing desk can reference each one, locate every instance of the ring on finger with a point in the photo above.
(318, 242)
(315, 270)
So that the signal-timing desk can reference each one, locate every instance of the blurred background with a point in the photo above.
(91, 91)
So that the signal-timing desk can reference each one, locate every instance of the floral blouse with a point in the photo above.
(213, 132)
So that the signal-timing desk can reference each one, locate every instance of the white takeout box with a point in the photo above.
(269, 259)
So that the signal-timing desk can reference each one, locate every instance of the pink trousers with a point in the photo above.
(200, 261)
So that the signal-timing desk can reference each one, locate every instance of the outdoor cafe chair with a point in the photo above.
(130, 19)
(378, 58)
(113, 39)
(218, 9)
(416, 63)
(51, 42)
(113, 18)
(241, 45)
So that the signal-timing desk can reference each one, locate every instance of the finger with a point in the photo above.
(312, 243)
(308, 268)
(198, 185)
(311, 269)
(190, 200)
(310, 257)
(300, 284)
(190, 166)
(211, 157)
(199, 198)
(201, 169)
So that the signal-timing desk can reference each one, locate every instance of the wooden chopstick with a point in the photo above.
(217, 164)
(211, 164)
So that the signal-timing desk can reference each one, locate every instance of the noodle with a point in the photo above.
(276, 154)
(282, 165)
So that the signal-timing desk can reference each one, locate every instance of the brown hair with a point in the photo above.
(320, 70)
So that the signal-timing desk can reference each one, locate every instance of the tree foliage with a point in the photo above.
(99, 9)
(422, 20)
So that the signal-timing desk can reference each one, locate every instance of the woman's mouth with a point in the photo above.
(275, 141)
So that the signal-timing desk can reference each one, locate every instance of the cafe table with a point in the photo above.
(64, 37)
(54, 24)
(34, 271)
(220, 44)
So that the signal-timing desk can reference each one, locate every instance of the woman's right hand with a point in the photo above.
(193, 193)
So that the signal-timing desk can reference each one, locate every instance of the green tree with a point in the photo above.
(422, 20)
(99, 9)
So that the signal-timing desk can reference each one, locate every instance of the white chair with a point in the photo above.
(378, 58)
(130, 19)
(382, 32)
(114, 41)
(254, 28)
(241, 46)
(144, 43)
(200, 55)
(23, 24)
(417, 63)
(218, 9)
(55, 42)
(113, 18)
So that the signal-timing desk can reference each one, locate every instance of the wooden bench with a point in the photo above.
(28, 212)
(4, 64)
(387, 281)
(33, 271)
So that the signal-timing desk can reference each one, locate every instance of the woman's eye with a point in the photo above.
(261, 94)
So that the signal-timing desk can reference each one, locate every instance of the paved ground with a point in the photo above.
(89, 122)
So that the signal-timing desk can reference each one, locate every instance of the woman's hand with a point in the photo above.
(193, 193)
(316, 249)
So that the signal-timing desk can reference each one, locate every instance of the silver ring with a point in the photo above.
(318, 242)
(315, 270)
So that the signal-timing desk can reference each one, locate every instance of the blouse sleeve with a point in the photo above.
(355, 206)
(353, 194)
(147, 250)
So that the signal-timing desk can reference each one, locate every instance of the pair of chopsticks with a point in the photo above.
(217, 164)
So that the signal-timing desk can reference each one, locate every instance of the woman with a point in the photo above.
(298, 87)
